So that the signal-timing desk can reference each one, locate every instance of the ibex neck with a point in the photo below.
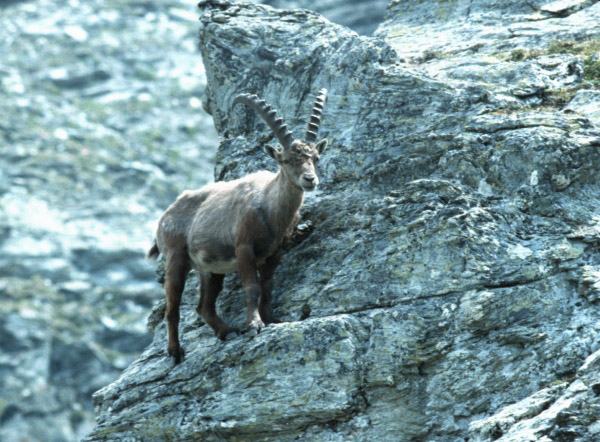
(285, 201)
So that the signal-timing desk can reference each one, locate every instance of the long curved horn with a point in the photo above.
(315, 118)
(270, 116)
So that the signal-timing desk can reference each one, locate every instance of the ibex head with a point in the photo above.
(297, 158)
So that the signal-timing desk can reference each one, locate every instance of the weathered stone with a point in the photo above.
(363, 16)
(445, 291)
(464, 27)
(100, 128)
(565, 410)
(587, 103)
(510, 47)
(443, 285)
(589, 283)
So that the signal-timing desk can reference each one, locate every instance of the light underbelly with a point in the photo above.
(215, 266)
(219, 266)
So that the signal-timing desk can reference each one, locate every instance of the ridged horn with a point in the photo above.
(315, 117)
(279, 128)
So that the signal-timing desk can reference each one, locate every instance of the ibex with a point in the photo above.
(238, 224)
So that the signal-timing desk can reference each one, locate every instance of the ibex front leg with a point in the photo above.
(247, 268)
(210, 287)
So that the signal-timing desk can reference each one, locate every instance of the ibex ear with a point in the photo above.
(272, 152)
(321, 145)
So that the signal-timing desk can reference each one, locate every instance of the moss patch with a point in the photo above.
(559, 98)
(589, 50)
(585, 47)
(591, 70)
(523, 54)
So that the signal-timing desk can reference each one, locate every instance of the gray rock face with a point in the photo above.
(100, 128)
(363, 16)
(448, 288)
(463, 26)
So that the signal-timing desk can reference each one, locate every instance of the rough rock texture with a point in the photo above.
(466, 27)
(522, 49)
(448, 286)
(363, 16)
(100, 128)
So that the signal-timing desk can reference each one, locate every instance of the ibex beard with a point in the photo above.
(238, 225)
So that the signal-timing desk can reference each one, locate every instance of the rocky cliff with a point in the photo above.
(101, 126)
(90, 94)
(363, 16)
(448, 285)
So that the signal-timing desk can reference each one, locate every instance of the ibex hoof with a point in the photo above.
(228, 333)
(253, 328)
(178, 353)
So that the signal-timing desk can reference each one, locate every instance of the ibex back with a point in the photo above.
(238, 225)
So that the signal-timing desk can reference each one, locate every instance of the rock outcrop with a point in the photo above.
(90, 93)
(363, 16)
(446, 286)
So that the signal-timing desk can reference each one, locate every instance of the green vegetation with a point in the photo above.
(585, 47)
(591, 69)
(560, 97)
(588, 50)
(524, 54)
(561, 381)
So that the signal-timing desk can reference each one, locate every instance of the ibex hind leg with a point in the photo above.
(176, 269)
(210, 288)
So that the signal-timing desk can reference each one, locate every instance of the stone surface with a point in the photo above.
(448, 287)
(565, 410)
(465, 27)
(363, 16)
(101, 126)
(511, 47)
(586, 102)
